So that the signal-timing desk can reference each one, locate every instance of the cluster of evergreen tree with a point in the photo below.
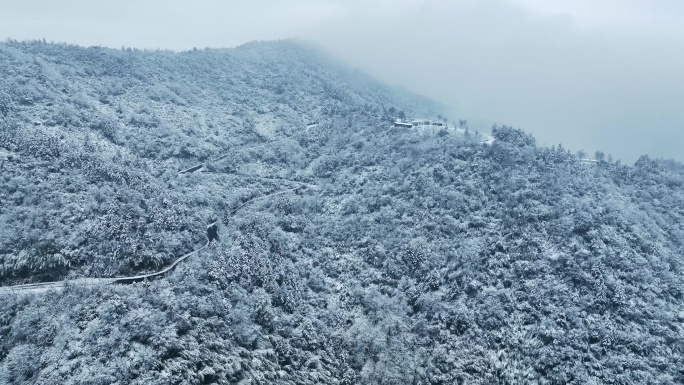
(380, 255)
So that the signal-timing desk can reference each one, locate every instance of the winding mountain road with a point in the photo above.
(59, 285)
(34, 288)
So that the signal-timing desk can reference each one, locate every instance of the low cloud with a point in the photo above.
(548, 71)
(605, 75)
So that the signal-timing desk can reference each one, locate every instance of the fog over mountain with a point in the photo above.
(593, 75)
(566, 78)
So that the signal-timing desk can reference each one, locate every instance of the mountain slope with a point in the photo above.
(376, 255)
(127, 121)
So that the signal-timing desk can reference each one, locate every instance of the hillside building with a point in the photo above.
(399, 123)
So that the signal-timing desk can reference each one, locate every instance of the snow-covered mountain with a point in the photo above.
(118, 125)
(348, 252)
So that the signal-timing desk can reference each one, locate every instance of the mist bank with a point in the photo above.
(493, 62)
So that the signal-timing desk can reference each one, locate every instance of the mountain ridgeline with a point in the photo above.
(343, 250)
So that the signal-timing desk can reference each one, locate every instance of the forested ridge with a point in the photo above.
(383, 256)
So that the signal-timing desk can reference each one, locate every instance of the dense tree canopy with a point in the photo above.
(350, 252)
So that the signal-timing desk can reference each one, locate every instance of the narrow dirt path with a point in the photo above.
(59, 285)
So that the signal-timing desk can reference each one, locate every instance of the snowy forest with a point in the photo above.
(349, 251)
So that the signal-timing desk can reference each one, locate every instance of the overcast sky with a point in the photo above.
(591, 74)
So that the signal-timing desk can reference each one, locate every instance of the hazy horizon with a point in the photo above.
(592, 75)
